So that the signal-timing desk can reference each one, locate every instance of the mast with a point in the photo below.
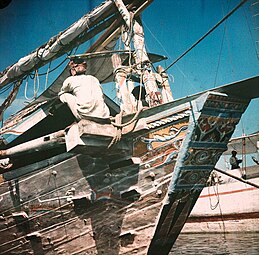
(155, 95)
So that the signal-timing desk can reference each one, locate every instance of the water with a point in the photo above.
(217, 244)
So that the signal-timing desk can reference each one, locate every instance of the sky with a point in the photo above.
(171, 26)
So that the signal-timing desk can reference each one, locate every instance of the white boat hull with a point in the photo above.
(230, 207)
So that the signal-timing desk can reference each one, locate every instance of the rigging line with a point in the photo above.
(129, 122)
(40, 74)
(216, 193)
(221, 47)
(243, 171)
(180, 70)
(244, 155)
(4, 89)
(251, 34)
(249, 138)
(204, 36)
(231, 63)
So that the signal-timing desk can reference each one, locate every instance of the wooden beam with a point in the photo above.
(112, 33)
(42, 143)
(237, 178)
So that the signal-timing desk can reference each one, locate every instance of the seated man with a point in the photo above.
(83, 93)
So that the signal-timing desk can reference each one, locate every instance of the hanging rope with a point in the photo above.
(36, 86)
(47, 76)
(25, 90)
(4, 89)
(204, 36)
(59, 203)
(36, 81)
(214, 184)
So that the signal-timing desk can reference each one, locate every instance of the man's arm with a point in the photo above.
(66, 88)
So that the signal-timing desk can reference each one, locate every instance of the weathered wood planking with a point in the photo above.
(117, 192)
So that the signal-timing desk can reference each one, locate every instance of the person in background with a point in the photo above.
(234, 161)
(83, 93)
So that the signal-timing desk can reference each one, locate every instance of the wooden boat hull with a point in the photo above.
(135, 198)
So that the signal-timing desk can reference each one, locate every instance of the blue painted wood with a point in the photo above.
(213, 119)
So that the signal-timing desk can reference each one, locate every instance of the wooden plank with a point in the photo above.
(212, 123)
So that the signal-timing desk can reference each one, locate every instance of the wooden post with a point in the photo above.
(165, 86)
(123, 11)
(121, 84)
(141, 58)
(153, 94)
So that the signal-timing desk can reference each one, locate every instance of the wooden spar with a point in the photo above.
(121, 84)
(154, 96)
(52, 50)
(113, 27)
(123, 11)
(42, 143)
(110, 36)
(134, 24)
(98, 53)
(138, 38)
(36, 57)
(237, 178)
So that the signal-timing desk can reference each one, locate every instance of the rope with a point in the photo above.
(169, 58)
(215, 188)
(119, 126)
(244, 154)
(220, 53)
(117, 136)
(210, 31)
(25, 90)
(59, 203)
(250, 31)
(4, 89)
(47, 76)
(62, 62)
(216, 192)
(36, 88)
(129, 122)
